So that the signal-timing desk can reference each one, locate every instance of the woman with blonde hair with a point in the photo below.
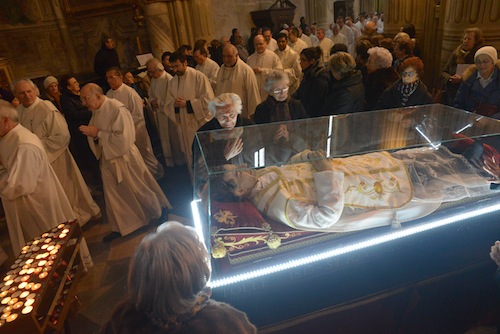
(168, 292)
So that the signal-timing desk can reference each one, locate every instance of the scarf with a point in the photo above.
(279, 110)
(406, 90)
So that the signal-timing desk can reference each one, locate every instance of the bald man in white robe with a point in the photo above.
(132, 196)
(129, 97)
(44, 120)
(32, 196)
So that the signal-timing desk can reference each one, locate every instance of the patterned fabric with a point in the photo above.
(406, 90)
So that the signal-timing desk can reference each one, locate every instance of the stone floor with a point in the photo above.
(105, 284)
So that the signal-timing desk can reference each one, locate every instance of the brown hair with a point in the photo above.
(416, 63)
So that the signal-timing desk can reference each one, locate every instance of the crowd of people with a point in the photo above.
(55, 143)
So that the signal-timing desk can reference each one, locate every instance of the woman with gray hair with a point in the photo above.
(167, 290)
(381, 75)
(225, 146)
(346, 93)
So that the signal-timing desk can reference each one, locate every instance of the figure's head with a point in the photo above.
(51, 85)
(69, 84)
(338, 48)
(165, 58)
(267, 33)
(9, 117)
(108, 43)
(276, 85)
(411, 70)
(293, 34)
(403, 48)
(409, 28)
(25, 91)
(321, 34)
(486, 59)
(341, 64)
(224, 40)
(309, 56)
(473, 37)
(260, 44)
(155, 68)
(114, 76)
(168, 271)
(185, 49)
(91, 96)
(128, 78)
(340, 22)
(370, 28)
(378, 58)
(282, 40)
(179, 63)
(234, 182)
(226, 108)
(200, 56)
(229, 55)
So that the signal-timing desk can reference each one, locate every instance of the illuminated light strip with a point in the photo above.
(426, 138)
(353, 247)
(464, 128)
(197, 221)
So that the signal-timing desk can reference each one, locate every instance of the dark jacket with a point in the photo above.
(313, 89)
(471, 96)
(346, 95)
(377, 83)
(104, 59)
(264, 110)
(392, 97)
(214, 318)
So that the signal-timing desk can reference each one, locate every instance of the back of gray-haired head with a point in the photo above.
(7, 110)
(224, 100)
(273, 78)
(155, 61)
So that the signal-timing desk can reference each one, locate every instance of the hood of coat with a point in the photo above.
(471, 69)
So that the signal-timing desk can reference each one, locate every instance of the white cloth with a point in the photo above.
(195, 88)
(314, 40)
(325, 45)
(131, 193)
(129, 97)
(272, 45)
(291, 65)
(307, 40)
(361, 26)
(240, 80)
(351, 42)
(266, 61)
(210, 68)
(340, 39)
(158, 92)
(44, 120)
(298, 46)
(32, 196)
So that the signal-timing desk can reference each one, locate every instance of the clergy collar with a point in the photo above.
(33, 105)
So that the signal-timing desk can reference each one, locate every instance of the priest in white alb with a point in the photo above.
(132, 196)
(290, 61)
(129, 97)
(32, 196)
(263, 61)
(187, 103)
(44, 120)
(206, 66)
(235, 76)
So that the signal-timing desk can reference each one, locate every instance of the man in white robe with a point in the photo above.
(338, 37)
(32, 196)
(348, 33)
(295, 43)
(263, 61)
(325, 44)
(206, 66)
(166, 129)
(131, 193)
(290, 61)
(129, 97)
(271, 43)
(44, 120)
(187, 103)
(312, 33)
(235, 76)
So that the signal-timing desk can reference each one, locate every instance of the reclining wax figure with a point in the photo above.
(357, 192)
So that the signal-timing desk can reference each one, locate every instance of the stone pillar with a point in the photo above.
(201, 12)
(321, 12)
(159, 29)
(72, 57)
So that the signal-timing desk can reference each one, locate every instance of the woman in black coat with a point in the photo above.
(409, 90)
(346, 93)
(313, 88)
(381, 75)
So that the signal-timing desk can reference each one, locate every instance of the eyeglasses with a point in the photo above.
(279, 91)
(408, 74)
(484, 62)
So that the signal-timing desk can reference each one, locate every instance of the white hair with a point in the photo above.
(274, 77)
(26, 80)
(381, 56)
(224, 100)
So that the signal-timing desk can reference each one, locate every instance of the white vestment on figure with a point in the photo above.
(325, 45)
(298, 46)
(307, 40)
(240, 80)
(129, 97)
(32, 196)
(266, 61)
(158, 92)
(210, 68)
(272, 45)
(314, 40)
(340, 39)
(44, 120)
(291, 65)
(195, 88)
(131, 193)
(351, 41)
